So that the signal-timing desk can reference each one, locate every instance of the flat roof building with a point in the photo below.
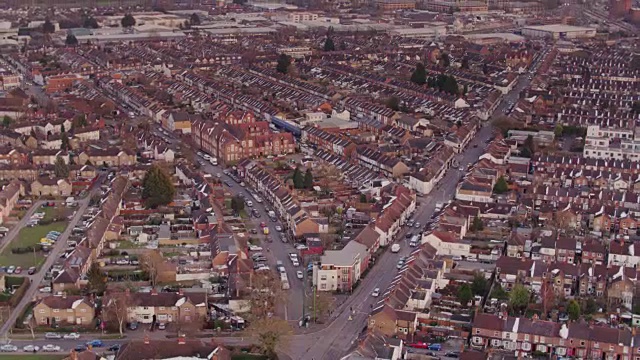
(558, 31)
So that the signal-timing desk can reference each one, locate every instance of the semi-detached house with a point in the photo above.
(328, 141)
(167, 307)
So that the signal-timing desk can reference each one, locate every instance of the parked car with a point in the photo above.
(419, 345)
(72, 336)
(435, 347)
(278, 228)
(254, 248)
(31, 348)
(18, 270)
(80, 348)
(8, 348)
(32, 270)
(299, 275)
(11, 269)
(133, 325)
(95, 343)
(52, 335)
(114, 347)
(162, 326)
(51, 348)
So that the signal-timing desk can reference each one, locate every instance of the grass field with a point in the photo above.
(30, 236)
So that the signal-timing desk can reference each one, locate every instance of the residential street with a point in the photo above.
(37, 278)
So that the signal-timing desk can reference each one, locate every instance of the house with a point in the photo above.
(340, 270)
(48, 156)
(87, 134)
(181, 121)
(447, 244)
(9, 198)
(167, 307)
(370, 238)
(378, 161)
(396, 211)
(181, 348)
(72, 310)
(623, 254)
(329, 141)
(109, 157)
(621, 290)
(45, 186)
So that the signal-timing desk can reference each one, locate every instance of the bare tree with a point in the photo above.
(117, 309)
(31, 325)
(271, 332)
(266, 293)
(151, 262)
(323, 305)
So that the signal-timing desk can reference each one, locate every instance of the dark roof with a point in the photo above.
(162, 349)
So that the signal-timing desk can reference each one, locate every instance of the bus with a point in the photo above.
(285, 281)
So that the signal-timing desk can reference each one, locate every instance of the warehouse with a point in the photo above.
(558, 31)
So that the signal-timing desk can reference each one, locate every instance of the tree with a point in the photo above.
(271, 332)
(329, 45)
(237, 204)
(298, 179)
(48, 28)
(393, 103)
(128, 21)
(194, 19)
(61, 169)
(519, 298)
(419, 75)
(157, 188)
(323, 305)
(479, 285)
(501, 186)
(444, 60)
(573, 310)
(504, 124)
(64, 141)
(32, 325)
(97, 279)
(151, 262)
(558, 130)
(266, 294)
(116, 309)
(71, 40)
(90, 23)
(6, 121)
(590, 306)
(283, 63)
(464, 294)
(477, 225)
(308, 179)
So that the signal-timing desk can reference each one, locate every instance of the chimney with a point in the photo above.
(154, 291)
(146, 339)
(182, 339)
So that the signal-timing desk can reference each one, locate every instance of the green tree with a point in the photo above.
(128, 21)
(298, 179)
(477, 224)
(519, 298)
(558, 130)
(60, 168)
(237, 204)
(6, 121)
(48, 27)
(499, 293)
(90, 23)
(573, 310)
(157, 188)
(480, 285)
(393, 103)
(590, 306)
(329, 45)
(97, 279)
(64, 141)
(464, 294)
(194, 19)
(501, 186)
(284, 61)
(308, 179)
(444, 60)
(71, 40)
(419, 75)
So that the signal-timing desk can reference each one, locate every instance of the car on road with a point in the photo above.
(302, 247)
(435, 347)
(253, 231)
(8, 348)
(162, 326)
(31, 348)
(72, 336)
(278, 228)
(263, 225)
(376, 292)
(410, 223)
(51, 348)
(114, 347)
(299, 274)
(32, 270)
(80, 348)
(255, 248)
(416, 225)
(95, 343)
(418, 345)
(52, 335)
(283, 239)
(400, 264)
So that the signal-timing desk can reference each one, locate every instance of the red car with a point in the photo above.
(419, 345)
(18, 270)
(263, 225)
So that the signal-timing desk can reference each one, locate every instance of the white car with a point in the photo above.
(72, 336)
(51, 348)
(376, 292)
(278, 228)
(299, 274)
(255, 248)
(8, 348)
(46, 289)
(31, 348)
(52, 335)
(301, 247)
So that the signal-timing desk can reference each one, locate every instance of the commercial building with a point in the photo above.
(392, 5)
(447, 6)
(611, 143)
(558, 31)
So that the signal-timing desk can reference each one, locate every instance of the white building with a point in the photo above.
(447, 244)
(611, 143)
(341, 269)
(558, 31)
